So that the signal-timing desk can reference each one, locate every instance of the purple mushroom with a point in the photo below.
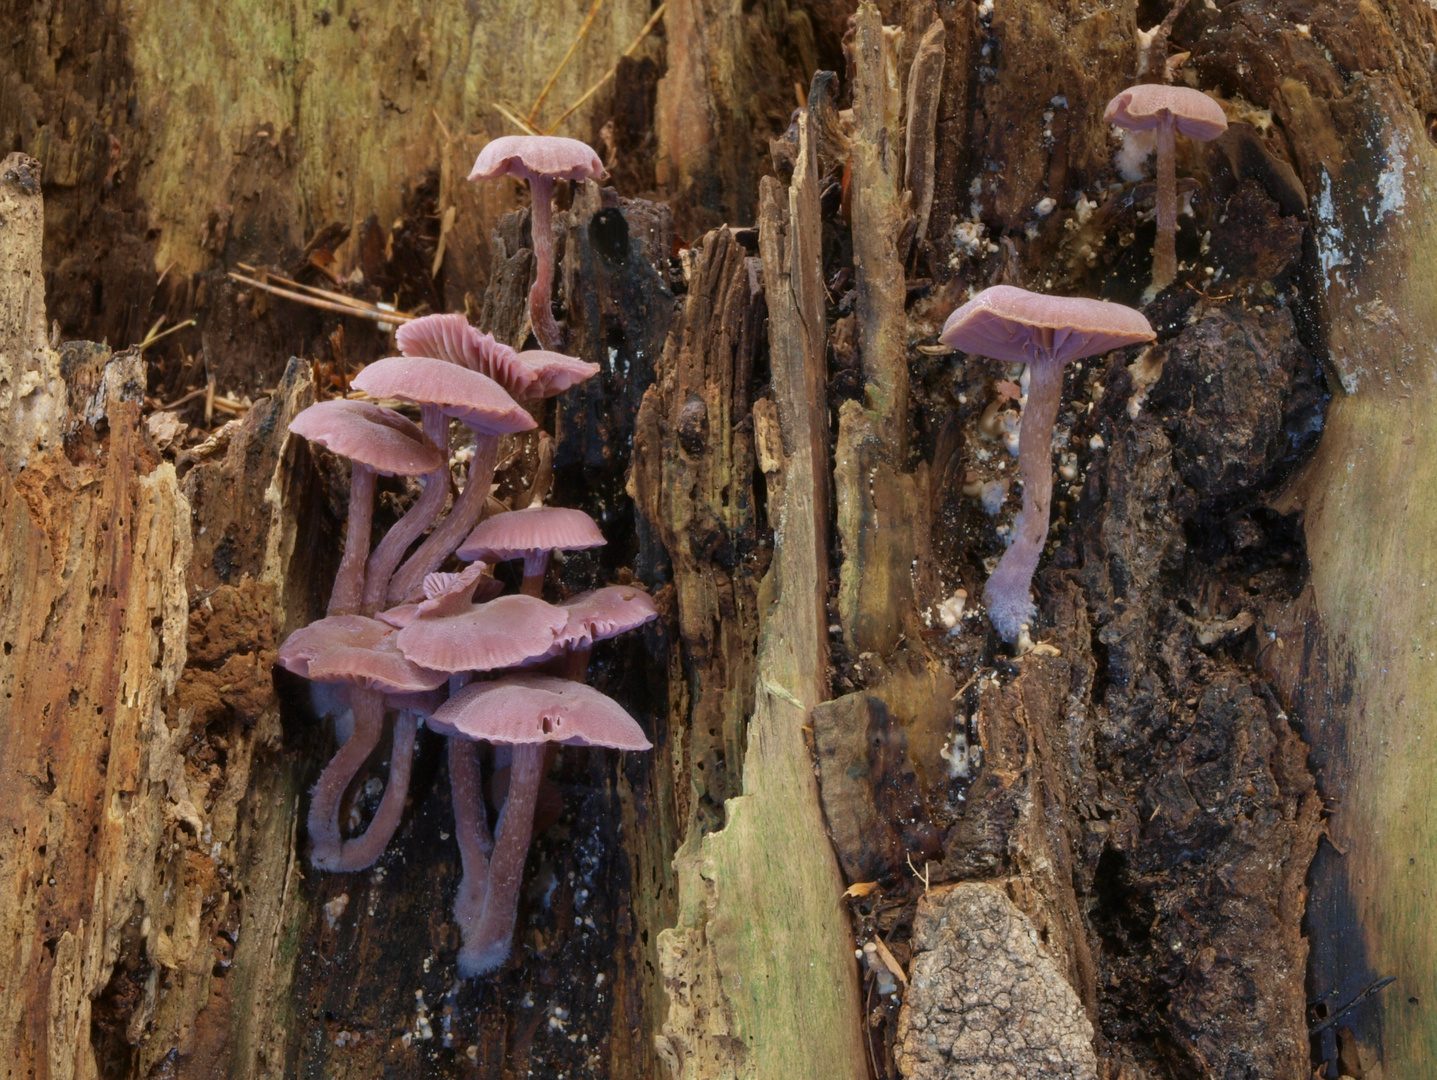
(531, 534)
(361, 653)
(478, 402)
(526, 712)
(540, 159)
(1168, 109)
(377, 441)
(1044, 332)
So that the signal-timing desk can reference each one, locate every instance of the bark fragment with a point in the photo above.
(985, 999)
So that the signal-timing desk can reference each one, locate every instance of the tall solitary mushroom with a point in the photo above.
(377, 441)
(540, 159)
(526, 712)
(1044, 332)
(1167, 109)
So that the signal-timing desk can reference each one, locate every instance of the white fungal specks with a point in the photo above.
(1331, 243)
(1391, 182)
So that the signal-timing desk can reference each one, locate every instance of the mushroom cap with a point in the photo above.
(539, 709)
(553, 373)
(524, 156)
(371, 435)
(538, 528)
(475, 399)
(502, 633)
(1019, 326)
(329, 635)
(605, 613)
(451, 338)
(382, 667)
(1140, 108)
(354, 649)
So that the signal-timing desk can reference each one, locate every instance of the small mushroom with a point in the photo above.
(1168, 109)
(540, 159)
(531, 534)
(360, 652)
(1044, 332)
(377, 441)
(527, 712)
(447, 594)
(485, 408)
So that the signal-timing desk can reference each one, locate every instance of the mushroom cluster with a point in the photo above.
(447, 649)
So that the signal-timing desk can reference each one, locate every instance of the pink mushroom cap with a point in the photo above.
(382, 668)
(1018, 326)
(502, 633)
(371, 435)
(538, 709)
(605, 613)
(475, 399)
(1143, 107)
(538, 528)
(553, 373)
(354, 649)
(523, 156)
(329, 635)
(447, 594)
(451, 338)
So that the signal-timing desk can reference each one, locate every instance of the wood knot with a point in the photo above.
(23, 171)
(693, 426)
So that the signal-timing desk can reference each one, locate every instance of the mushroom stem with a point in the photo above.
(541, 315)
(345, 597)
(494, 934)
(415, 520)
(1006, 593)
(536, 565)
(472, 833)
(463, 516)
(329, 789)
(1165, 253)
(364, 849)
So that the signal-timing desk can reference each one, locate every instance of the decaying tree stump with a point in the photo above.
(1188, 830)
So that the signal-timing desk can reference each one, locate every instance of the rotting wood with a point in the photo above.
(759, 969)
(1364, 634)
(32, 394)
(878, 217)
(925, 85)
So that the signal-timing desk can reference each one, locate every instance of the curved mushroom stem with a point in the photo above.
(1006, 593)
(541, 315)
(494, 934)
(345, 597)
(415, 520)
(328, 791)
(364, 849)
(463, 516)
(471, 831)
(1165, 252)
(536, 565)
